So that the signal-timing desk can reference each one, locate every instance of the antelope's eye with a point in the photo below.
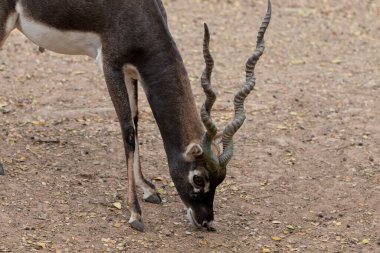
(198, 181)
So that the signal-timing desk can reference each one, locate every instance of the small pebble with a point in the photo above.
(2, 170)
(188, 233)
(167, 232)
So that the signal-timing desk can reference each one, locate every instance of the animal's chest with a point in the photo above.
(65, 42)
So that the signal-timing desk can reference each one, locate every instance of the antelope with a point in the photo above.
(131, 43)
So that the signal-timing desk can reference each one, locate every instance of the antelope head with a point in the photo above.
(206, 162)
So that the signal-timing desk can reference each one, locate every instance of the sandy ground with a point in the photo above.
(306, 172)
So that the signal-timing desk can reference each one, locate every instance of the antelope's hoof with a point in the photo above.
(138, 225)
(154, 199)
(211, 229)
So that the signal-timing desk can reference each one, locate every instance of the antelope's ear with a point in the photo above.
(193, 151)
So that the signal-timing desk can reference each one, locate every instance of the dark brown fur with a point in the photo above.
(135, 32)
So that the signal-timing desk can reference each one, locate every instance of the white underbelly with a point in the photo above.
(64, 42)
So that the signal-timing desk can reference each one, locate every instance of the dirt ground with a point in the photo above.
(306, 172)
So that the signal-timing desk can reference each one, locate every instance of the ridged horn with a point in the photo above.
(206, 85)
(240, 97)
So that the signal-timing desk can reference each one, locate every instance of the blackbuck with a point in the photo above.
(131, 42)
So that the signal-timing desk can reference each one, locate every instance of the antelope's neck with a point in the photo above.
(170, 96)
(167, 85)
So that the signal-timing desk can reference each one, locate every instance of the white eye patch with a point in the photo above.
(198, 189)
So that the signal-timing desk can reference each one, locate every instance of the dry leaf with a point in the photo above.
(41, 245)
(302, 13)
(203, 242)
(337, 61)
(38, 123)
(297, 62)
(365, 241)
(290, 227)
(117, 205)
(282, 127)
(161, 191)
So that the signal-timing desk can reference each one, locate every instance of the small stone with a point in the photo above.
(167, 232)
(188, 233)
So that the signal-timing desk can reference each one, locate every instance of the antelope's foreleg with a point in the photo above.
(8, 19)
(115, 82)
(150, 194)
